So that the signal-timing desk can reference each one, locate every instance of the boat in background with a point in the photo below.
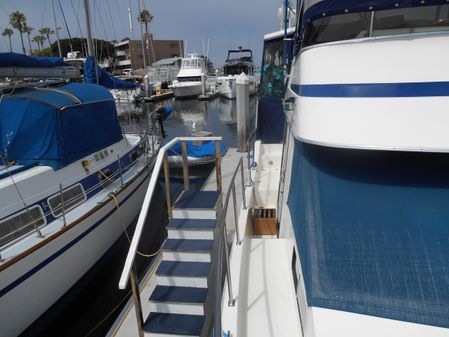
(71, 184)
(233, 67)
(191, 77)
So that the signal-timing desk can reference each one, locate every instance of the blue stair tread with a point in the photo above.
(188, 245)
(187, 269)
(179, 294)
(189, 325)
(198, 199)
(200, 224)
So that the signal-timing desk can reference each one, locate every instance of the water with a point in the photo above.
(95, 307)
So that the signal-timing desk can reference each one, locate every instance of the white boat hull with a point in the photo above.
(186, 90)
(34, 283)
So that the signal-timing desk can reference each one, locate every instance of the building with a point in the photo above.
(129, 53)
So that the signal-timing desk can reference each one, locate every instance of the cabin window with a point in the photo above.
(378, 23)
(72, 197)
(19, 224)
(190, 79)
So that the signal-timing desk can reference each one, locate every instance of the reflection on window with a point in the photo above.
(272, 82)
(379, 23)
(71, 197)
(20, 224)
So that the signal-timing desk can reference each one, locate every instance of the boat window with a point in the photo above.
(378, 23)
(272, 81)
(189, 79)
(71, 196)
(190, 63)
(20, 224)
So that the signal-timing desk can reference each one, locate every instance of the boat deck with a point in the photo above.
(265, 298)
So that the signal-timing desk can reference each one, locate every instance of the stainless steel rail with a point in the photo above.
(223, 251)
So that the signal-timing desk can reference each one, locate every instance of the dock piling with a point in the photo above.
(242, 96)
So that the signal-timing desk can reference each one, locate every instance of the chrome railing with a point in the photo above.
(223, 251)
(129, 272)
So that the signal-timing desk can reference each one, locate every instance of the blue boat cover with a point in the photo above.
(205, 150)
(104, 79)
(20, 60)
(317, 9)
(372, 231)
(58, 125)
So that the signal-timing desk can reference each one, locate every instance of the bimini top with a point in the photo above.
(315, 9)
(58, 125)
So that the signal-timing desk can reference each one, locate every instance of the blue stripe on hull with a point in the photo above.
(41, 265)
(366, 90)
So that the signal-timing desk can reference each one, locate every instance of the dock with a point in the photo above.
(162, 97)
(209, 96)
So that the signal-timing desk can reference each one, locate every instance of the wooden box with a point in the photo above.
(264, 221)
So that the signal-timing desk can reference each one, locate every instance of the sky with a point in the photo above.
(225, 24)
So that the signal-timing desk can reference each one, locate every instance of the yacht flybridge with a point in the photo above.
(343, 225)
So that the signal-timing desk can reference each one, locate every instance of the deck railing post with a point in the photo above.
(243, 183)
(137, 302)
(234, 202)
(218, 165)
(185, 166)
(231, 301)
(120, 169)
(167, 187)
(62, 204)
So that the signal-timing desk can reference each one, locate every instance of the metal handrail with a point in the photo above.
(224, 248)
(147, 201)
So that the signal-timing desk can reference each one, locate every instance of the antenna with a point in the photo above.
(131, 29)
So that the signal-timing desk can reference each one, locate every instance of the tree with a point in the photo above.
(145, 18)
(46, 31)
(18, 21)
(8, 32)
(39, 39)
(29, 30)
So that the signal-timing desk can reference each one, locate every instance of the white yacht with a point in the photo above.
(70, 183)
(189, 82)
(343, 226)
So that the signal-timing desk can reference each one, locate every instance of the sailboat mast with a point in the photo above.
(56, 28)
(90, 47)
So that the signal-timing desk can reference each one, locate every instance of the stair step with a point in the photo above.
(179, 294)
(187, 250)
(188, 245)
(178, 300)
(198, 199)
(173, 324)
(196, 205)
(192, 229)
(184, 274)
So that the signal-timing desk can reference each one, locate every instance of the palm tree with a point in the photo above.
(47, 32)
(39, 39)
(29, 30)
(145, 18)
(18, 21)
(8, 32)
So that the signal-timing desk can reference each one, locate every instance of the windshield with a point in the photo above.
(379, 23)
(190, 63)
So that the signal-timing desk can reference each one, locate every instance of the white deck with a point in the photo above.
(264, 291)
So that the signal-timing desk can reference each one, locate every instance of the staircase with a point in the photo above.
(180, 304)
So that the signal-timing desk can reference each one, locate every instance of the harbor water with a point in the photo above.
(96, 301)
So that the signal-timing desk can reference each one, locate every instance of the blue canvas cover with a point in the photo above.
(104, 79)
(317, 9)
(372, 229)
(205, 150)
(20, 60)
(58, 125)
